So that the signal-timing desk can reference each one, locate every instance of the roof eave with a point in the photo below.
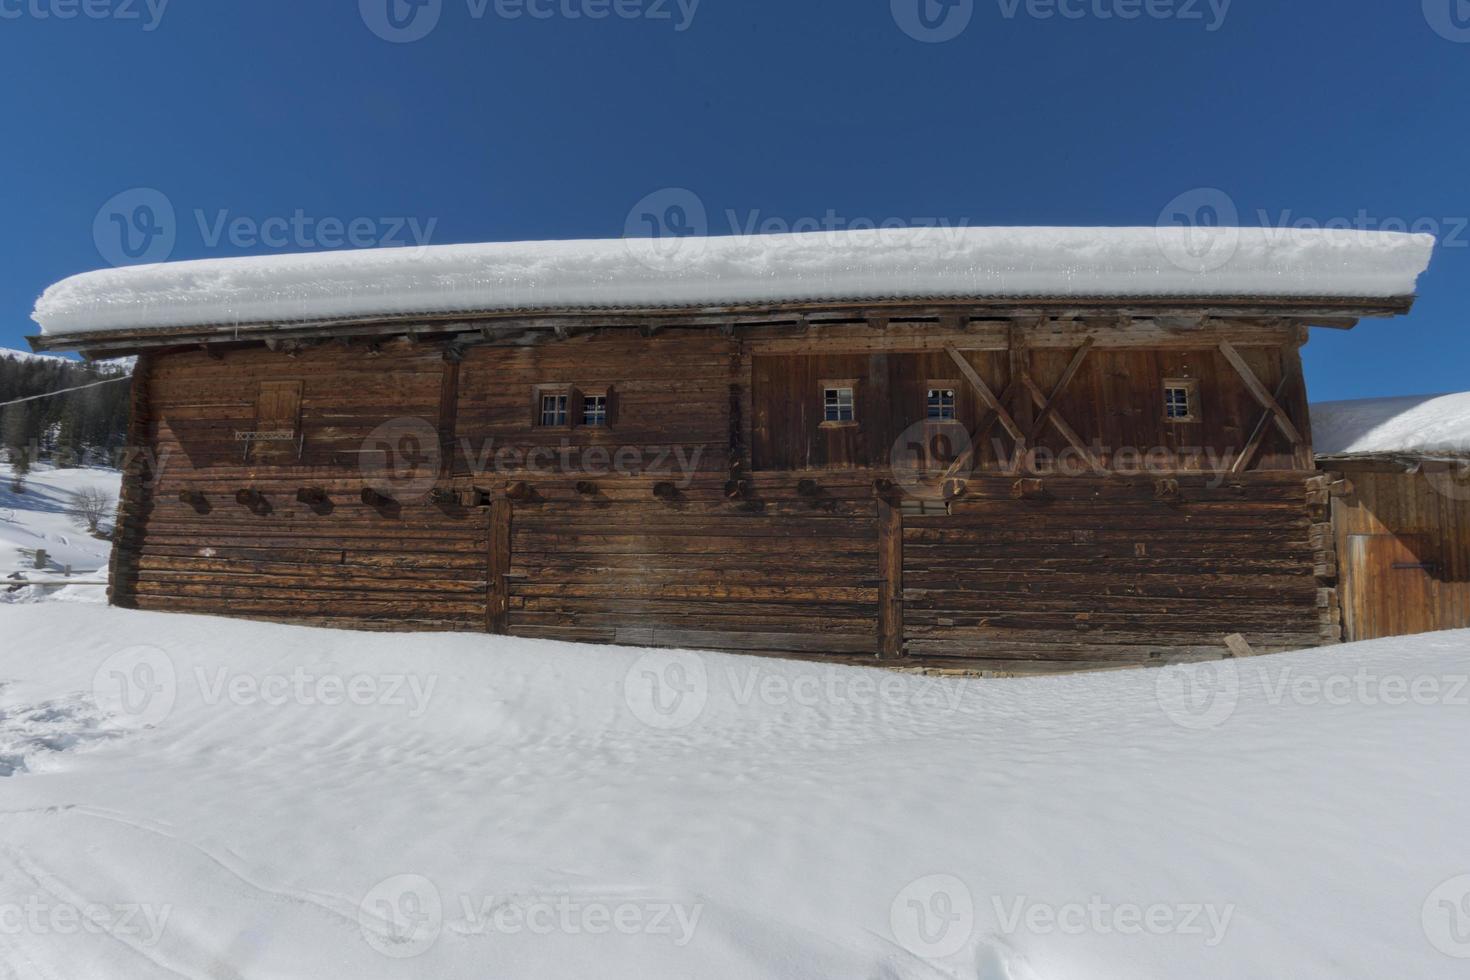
(1337, 312)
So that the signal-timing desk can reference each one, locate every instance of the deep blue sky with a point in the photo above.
(502, 129)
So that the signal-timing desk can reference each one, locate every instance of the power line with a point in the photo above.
(65, 391)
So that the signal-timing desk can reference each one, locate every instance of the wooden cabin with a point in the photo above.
(1038, 451)
(1400, 513)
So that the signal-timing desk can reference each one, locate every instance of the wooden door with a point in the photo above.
(1389, 586)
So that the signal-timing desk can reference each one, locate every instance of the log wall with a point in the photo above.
(408, 485)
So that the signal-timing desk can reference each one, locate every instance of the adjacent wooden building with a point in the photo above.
(1401, 512)
(988, 481)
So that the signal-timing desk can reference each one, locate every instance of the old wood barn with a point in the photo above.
(1400, 512)
(1061, 450)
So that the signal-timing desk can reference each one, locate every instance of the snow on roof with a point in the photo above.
(1419, 426)
(868, 265)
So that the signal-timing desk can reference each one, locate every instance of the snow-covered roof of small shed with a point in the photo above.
(1417, 427)
(913, 264)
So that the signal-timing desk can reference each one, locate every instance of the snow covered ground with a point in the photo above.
(37, 518)
(198, 797)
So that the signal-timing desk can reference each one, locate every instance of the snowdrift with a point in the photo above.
(200, 797)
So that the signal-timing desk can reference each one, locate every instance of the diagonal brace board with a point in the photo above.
(1267, 400)
(1061, 425)
(987, 396)
(965, 459)
(1258, 434)
(1048, 408)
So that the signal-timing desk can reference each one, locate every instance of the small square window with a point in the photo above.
(594, 411)
(839, 401)
(1181, 396)
(942, 405)
(838, 405)
(554, 409)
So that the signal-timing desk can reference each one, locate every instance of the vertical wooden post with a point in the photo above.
(1298, 405)
(137, 488)
(890, 576)
(497, 590)
(1022, 408)
(448, 413)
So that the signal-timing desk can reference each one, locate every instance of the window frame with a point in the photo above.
(538, 406)
(581, 398)
(839, 385)
(1190, 386)
(942, 385)
(574, 412)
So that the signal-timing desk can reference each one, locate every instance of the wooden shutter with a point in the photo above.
(277, 412)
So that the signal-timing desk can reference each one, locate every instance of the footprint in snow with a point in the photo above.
(31, 732)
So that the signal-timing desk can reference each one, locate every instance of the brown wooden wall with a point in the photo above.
(672, 393)
(1403, 541)
(350, 564)
(1115, 402)
(1103, 572)
(735, 522)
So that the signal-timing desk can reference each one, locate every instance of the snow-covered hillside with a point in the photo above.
(37, 518)
(204, 798)
(24, 355)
